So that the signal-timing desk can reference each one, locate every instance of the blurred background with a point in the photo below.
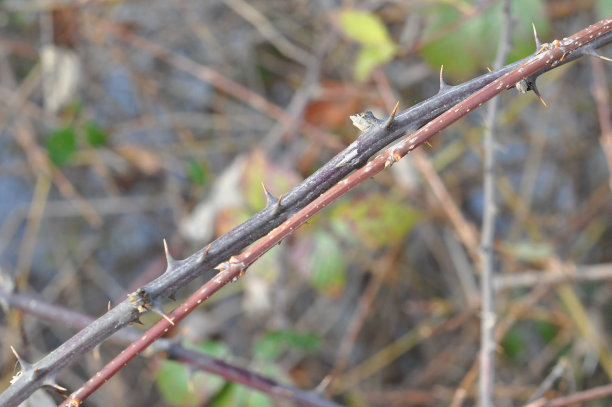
(126, 122)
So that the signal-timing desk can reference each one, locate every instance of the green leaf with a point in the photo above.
(376, 220)
(95, 135)
(368, 30)
(547, 331)
(372, 56)
(215, 349)
(257, 399)
(197, 172)
(61, 145)
(328, 265)
(207, 382)
(237, 395)
(468, 48)
(172, 381)
(513, 344)
(364, 27)
(274, 343)
(231, 395)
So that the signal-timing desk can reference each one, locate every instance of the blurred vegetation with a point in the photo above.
(145, 145)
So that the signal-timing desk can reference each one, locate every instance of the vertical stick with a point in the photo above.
(487, 324)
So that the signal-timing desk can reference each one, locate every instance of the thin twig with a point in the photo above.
(553, 276)
(602, 98)
(486, 381)
(576, 398)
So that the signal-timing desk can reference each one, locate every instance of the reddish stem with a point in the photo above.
(548, 56)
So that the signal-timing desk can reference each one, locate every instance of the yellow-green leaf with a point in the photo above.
(463, 48)
(328, 265)
(364, 27)
(172, 380)
(376, 220)
(372, 56)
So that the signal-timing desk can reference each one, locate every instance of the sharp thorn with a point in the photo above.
(279, 202)
(389, 121)
(594, 53)
(138, 321)
(169, 257)
(172, 296)
(22, 362)
(50, 381)
(108, 306)
(489, 69)
(270, 199)
(203, 255)
(443, 84)
(395, 109)
(535, 37)
(159, 311)
(535, 90)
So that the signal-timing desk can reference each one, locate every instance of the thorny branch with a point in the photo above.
(374, 138)
(173, 349)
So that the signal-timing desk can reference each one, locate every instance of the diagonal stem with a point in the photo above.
(237, 265)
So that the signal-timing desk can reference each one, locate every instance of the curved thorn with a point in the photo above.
(159, 311)
(443, 84)
(200, 259)
(389, 121)
(593, 53)
(22, 362)
(535, 90)
(169, 259)
(51, 382)
(535, 37)
(270, 199)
